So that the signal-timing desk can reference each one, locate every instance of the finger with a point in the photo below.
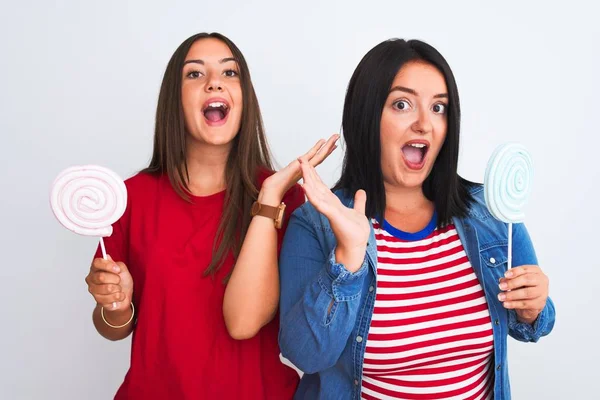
(527, 293)
(100, 264)
(521, 305)
(315, 175)
(523, 269)
(99, 278)
(315, 149)
(107, 300)
(324, 151)
(309, 174)
(306, 173)
(519, 281)
(360, 201)
(104, 289)
(122, 266)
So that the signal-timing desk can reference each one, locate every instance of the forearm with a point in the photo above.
(319, 307)
(252, 293)
(116, 318)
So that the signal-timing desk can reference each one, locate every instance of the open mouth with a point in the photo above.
(414, 154)
(215, 111)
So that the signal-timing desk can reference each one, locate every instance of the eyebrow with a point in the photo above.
(414, 92)
(201, 62)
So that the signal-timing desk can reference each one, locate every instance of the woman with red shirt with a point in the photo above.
(194, 259)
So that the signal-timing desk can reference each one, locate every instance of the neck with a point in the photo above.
(407, 208)
(206, 168)
(406, 200)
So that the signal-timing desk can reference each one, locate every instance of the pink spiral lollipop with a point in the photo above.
(88, 200)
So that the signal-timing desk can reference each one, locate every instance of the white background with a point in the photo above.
(79, 84)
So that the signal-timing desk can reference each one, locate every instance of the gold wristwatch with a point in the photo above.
(275, 213)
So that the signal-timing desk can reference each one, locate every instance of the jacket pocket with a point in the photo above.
(495, 255)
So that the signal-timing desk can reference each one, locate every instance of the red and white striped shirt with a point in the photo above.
(431, 332)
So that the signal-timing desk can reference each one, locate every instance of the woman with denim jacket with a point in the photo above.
(395, 284)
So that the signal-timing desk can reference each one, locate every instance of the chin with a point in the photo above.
(411, 179)
(216, 136)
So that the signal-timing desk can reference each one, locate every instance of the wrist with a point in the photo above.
(527, 319)
(269, 197)
(351, 258)
(119, 316)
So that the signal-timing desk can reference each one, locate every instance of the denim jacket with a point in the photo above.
(328, 346)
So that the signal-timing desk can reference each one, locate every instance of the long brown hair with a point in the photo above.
(249, 151)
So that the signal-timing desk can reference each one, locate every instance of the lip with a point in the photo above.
(416, 166)
(216, 100)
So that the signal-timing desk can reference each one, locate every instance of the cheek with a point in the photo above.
(187, 101)
(387, 130)
(238, 101)
(440, 131)
(393, 129)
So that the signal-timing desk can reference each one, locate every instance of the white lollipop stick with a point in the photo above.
(508, 177)
(88, 200)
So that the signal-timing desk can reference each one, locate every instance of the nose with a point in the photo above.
(214, 84)
(422, 124)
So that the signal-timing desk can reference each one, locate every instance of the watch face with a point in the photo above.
(255, 208)
(280, 213)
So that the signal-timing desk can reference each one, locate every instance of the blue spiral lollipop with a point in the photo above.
(507, 185)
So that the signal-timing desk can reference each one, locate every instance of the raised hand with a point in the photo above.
(350, 225)
(275, 186)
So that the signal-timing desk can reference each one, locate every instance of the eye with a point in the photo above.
(230, 73)
(402, 105)
(194, 74)
(439, 108)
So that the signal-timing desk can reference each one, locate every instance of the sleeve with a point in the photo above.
(319, 302)
(524, 254)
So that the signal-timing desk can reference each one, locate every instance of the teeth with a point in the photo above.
(417, 145)
(217, 104)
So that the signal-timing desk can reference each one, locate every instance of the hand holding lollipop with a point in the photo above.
(507, 185)
(508, 178)
(88, 200)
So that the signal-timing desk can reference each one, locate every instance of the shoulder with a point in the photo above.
(142, 181)
(143, 187)
(478, 208)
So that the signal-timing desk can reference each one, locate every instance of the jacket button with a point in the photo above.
(493, 260)
(356, 382)
(499, 367)
(359, 339)
(497, 322)
(371, 288)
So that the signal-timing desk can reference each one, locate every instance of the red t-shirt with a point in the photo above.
(180, 347)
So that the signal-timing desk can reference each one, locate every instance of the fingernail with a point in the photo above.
(501, 297)
(503, 286)
(114, 305)
(116, 268)
(508, 274)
